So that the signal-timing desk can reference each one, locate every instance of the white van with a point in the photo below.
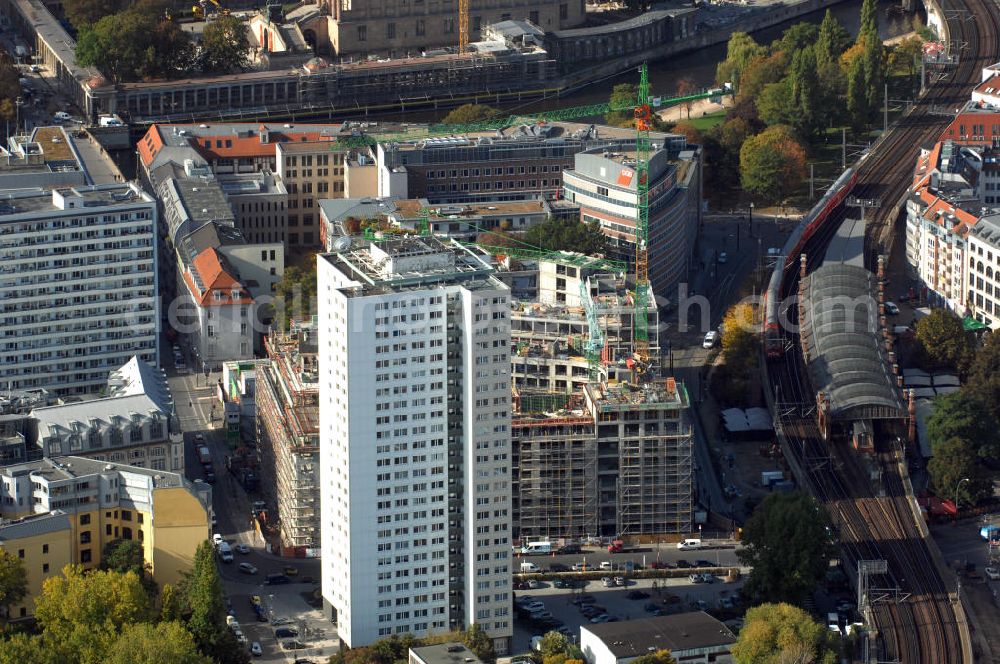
(225, 552)
(689, 544)
(61, 116)
(833, 623)
(536, 548)
(529, 567)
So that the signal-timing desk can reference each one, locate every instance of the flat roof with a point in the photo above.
(55, 469)
(645, 396)
(27, 201)
(678, 633)
(445, 653)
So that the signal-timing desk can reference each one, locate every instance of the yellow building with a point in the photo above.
(67, 509)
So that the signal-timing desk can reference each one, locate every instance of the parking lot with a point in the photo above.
(675, 595)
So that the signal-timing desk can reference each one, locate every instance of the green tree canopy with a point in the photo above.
(740, 52)
(564, 234)
(126, 556)
(943, 339)
(775, 103)
(964, 415)
(905, 55)
(478, 641)
(832, 40)
(761, 72)
(786, 542)
(225, 47)
(553, 643)
(772, 163)
(162, 643)
(132, 45)
(295, 294)
(806, 93)
(984, 374)
(796, 37)
(857, 94)
(21, 648)
(82, 13)
(780, 634)
(622, 95)
(470, 113)
(955, 460)
(13, 580)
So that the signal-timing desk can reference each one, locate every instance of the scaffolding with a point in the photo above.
(288, 430)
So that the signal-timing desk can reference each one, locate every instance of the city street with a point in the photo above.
(194, 398)
(723, 555)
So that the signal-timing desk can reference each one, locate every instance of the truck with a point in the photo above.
(770, 477)
(204, 456)
(619, 546)
(244, 467)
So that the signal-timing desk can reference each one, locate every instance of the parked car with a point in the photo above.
(276, 580)
(726, 603)
(637, 594)
(285, 633)
(581, 567)
(711, 338)
(723, 257)
(661, 564)
(255, 649)
(891, 309)
(603, 618)
(217, 539)
(993, 573)
(607, 564)
(568, 549)
(292, 645)
(242, 548)
(708, 578)
(620, 581)
(247, 568)
(695, 578)
(533, 607)
(291, 571)
(704, 563)
(683, 564)
(585, 599)
(534, 584)
(558, 567)
(607, 582)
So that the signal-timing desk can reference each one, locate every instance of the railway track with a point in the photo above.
(915, 623)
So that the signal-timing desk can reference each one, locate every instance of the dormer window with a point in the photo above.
(236, 294)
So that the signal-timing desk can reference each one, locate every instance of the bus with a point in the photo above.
(536, 548)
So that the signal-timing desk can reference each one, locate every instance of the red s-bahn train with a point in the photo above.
(773, 342)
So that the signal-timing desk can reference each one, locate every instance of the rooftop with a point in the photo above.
(445, 653)
(32, 525)
(61, 468)
(646, 396)
(28, 201)
(678, 633)
(213, 282)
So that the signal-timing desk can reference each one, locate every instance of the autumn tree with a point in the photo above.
(761, 72)
(772, 163)
(689, 132)
(779, 633)
(13, 581)
(658, 657)
(161, 643)
(132, 45)
(470, 113)
(479, 642)
(954, 461)
(686, 86)
(785, 542)
(905, 55)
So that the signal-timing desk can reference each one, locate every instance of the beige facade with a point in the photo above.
(398, 28)
(310, 171)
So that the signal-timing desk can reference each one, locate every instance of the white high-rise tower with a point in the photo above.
(414, 440)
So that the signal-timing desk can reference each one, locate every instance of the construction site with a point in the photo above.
(615, 462)
(288, 435)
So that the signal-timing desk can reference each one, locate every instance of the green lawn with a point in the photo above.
(706, 122)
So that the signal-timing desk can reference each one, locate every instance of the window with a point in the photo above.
(420, 27)
(390, 30)
(85, 537)
(45, 568)
(362, 33)
(85, 556)
(563, 11)
(84, 519)
(45, 548)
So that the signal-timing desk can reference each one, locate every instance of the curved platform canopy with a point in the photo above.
(846, 353)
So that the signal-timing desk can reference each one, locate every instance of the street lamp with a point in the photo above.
(18, 103)
(750, 221)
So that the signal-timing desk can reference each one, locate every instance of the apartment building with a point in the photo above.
(259, 203)
(401, 29)
(134, 424)
(615, 462)
(78, 285)
(16, 425)
(221, 315)
(982, 296)
(414, 440)
(288, 434)
(66, 509)
(526, 161)
(946, 203)
(604, 184)
(578, 299)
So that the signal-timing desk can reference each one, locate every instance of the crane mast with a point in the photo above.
(643, 124)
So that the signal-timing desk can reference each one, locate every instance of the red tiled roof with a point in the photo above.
(215, 279)
(229, 146)
(987, 120)
(990, 85)
(150, 144)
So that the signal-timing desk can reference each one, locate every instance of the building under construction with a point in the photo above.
(288, 431)
(616, 462)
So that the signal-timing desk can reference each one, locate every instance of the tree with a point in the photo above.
(13, 581)
(146, 643)
(773, 163)
(904, 56)
(203, 597)
(623, 95)
(786, 542)
(19, 648)
(296, 293)
(943, 339)
(738, 331)
(831, 41)
(658, 657)
(760, 72)
(685, 87)
(175, 54)
(984, 374)
(564, 234)
(132, 45)
(689, 132)
(740, 52)
(82, 614)
(955, 460)
(857, 94)
(964, 415)
(805, 92)
(82, 13)
(874, 69)
(869, 21)
(553, 643)
(478, 641)
(171, 603)
(796, 38)
(775, 103)
(470, 113)
(225, 47)
(780, 633)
